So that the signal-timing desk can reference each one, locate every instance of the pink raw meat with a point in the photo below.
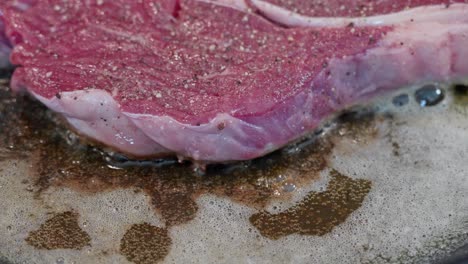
(214, 81)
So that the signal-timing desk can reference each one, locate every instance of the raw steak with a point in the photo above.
(224, 80)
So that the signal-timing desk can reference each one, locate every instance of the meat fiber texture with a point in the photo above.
(224, 80)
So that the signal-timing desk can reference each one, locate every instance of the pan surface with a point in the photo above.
(384, 185)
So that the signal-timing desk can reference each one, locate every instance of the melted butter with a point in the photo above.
(29, 131)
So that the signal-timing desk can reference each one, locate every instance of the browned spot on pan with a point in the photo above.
(59, 232)
(174, 189)
(318, 213)
(145, 244)
(360, 126)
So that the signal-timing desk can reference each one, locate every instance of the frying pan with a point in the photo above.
(62, 201)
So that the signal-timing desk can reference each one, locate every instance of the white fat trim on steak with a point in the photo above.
(95, 114)
(439, 13)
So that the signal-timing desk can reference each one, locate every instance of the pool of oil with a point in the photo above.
(68, 202)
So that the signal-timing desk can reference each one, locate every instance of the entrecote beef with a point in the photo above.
(224, 80)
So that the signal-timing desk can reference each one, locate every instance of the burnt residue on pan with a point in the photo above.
(29, 131)
(144, 243)
(61, 231)
(174, 189)
(319, 212)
